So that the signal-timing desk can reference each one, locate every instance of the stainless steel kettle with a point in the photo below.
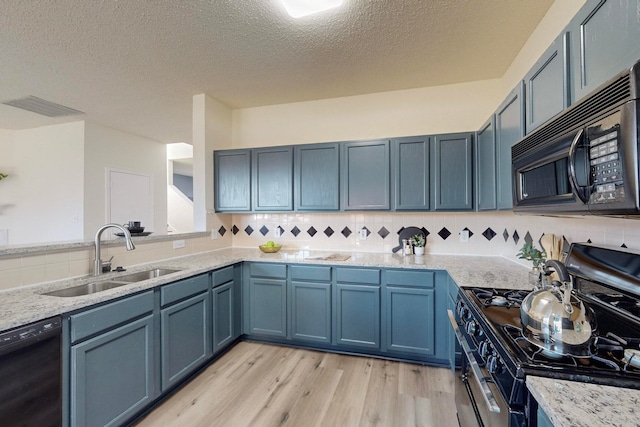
(555, 320)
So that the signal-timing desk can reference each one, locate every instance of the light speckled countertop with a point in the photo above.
(571, 404)
(26, 304)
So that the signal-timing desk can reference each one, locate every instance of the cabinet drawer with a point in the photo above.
(223, 275)
(183, 289)
(299, 272)
(101, 318)
(423, 279)
(358, 275)
(276, 271)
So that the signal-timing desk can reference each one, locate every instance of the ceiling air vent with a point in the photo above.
(43, 107)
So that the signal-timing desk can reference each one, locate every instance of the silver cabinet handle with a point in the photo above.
(477, 372)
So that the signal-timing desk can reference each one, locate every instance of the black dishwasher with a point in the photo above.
(30, 375)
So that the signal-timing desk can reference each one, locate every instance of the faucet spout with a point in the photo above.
(97, 268)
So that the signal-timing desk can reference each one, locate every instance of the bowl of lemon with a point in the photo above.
(270, 247)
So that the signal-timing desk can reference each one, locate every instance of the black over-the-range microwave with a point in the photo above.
(584, 160)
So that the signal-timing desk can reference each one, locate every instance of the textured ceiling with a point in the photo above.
(135, 65)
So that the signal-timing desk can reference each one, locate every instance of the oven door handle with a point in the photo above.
(477, 372)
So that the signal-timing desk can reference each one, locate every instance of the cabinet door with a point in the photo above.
(317, 177)
(509, 130)
(366, 175)
(232, 170)
(547, 84)
(410, 320)
(272, 174)
(411, 173)
(452, 169)
(185, 338)
(486, 166)
(604, 41)
(268, 307)
(311, 311)
(357, 315)
(112, 375)
(223, 316)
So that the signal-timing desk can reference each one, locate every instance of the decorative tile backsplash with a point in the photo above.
(496, 233)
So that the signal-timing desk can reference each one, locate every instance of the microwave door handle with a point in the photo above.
(473, 364)
(575, 188)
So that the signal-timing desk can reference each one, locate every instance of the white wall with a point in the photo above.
(439, 109)
(111, 148)
(42, 201)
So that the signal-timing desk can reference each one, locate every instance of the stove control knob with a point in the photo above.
(472, 328)
(485, 349)
(494, 364)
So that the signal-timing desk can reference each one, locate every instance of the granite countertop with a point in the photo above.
(26, 304)
(571, 404)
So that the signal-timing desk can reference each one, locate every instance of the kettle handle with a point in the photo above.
(559, 268)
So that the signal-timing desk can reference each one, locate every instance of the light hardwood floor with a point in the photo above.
(265, 385)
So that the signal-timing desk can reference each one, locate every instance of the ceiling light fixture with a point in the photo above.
(300, 8)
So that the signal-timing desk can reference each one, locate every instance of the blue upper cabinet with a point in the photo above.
(410, 161)
(605, 37)
(232, 170)
(452, 172)
(509, 130)
(272, 178)
(547, 84)
(486, 166)
(366, 175)
(317, 177)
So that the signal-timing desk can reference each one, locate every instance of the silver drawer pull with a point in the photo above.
(477, 372)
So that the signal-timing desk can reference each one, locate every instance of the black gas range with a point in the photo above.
(500, 357)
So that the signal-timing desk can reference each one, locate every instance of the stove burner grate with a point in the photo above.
(500, 298)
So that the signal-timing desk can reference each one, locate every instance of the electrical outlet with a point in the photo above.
(363, 234)
(464, 236)
(214, 234)
(277, 232)
(178, 244)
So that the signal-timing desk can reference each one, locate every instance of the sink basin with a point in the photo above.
(103, 285)
(145, 275)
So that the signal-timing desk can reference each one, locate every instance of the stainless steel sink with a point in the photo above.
(115, 282)
(145, 275)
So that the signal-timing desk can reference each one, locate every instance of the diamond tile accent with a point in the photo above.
(346, 232)
(281, 230)
(489, 234)
(235, 230)
(516, 237)
(589, 241)
(505, 234)
(528, 238)
(248, 230)
(623, 246)
(328, 231)
(444, 233)
(222, 230)
(425, 231)
(264, 230)
(368, 232)
(470, 232)
(295, 231)
(312, 231)
(383, 232)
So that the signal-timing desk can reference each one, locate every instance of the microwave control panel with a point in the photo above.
(606, 167)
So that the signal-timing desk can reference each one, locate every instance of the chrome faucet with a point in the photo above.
(97, 268)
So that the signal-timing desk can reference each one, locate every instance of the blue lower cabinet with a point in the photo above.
(185, 338)
(311, 311)
(112, 375)
(410, 320)
(357, 315)
(268, 307)
(223, 316)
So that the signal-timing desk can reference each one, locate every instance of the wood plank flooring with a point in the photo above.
(265, 385)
